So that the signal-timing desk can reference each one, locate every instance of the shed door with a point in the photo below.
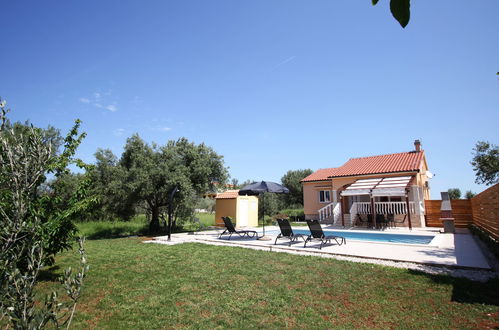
(242, 218)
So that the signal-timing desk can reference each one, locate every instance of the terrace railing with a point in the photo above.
(382, 208)
(331, 210)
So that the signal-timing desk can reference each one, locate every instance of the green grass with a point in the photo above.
(206, 219)
(150, 286)
(137, 226)
(298, 224)
(109, 229)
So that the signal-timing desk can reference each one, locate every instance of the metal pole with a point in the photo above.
(263, 209)
(170, 211)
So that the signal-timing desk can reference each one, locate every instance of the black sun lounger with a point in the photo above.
(287, 232)
(317, 233)
(229, 230)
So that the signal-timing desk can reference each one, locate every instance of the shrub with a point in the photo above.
(491, 243)
(36, 224)
(268, 220)
(294, 214)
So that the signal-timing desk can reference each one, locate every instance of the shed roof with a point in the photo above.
(228, 194)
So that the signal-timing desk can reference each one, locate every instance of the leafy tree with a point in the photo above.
(243, 184)
(205, 203)
(108, 186)
(271, 202)
(401, 10)
(235, 183)
(56, 205)
(291, 180)
(35, 225)
(150, 173)
(469, 194)
(454, 193)
(486, 163)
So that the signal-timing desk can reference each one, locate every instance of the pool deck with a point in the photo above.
(450, 250)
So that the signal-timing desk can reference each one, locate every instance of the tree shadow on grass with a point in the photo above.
(125, 231)
(467, 291)
(115, 232)
(50, 274)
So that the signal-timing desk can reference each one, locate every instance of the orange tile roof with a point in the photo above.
(399, 162)
(228, 194)
(320, 175)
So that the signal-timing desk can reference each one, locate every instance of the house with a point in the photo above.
(391, 184)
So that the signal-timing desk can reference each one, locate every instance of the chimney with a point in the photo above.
(417, 145)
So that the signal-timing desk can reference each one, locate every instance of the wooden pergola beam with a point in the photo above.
(373, 210)
(408, 209)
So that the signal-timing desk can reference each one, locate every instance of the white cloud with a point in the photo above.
(289, 59)
(99, 100)
(112, 108)
(159, 128)
(119, 131)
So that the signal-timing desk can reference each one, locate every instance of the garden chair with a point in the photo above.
(390, 217)
(367, 221)
(399, 221)
(317, 233)
(230, 230)
(287, 232)
(381, 221)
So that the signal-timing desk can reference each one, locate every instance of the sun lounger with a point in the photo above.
(230, 230)
(317, 234)
(287, 232)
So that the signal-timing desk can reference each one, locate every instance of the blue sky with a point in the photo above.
(270, 85)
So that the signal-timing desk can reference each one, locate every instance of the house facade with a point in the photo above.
(395, 184)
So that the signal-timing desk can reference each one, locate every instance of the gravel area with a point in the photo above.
(474, 275)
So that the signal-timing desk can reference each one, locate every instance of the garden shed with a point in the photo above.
(243, 210)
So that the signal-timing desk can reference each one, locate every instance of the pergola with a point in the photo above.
(379, 187)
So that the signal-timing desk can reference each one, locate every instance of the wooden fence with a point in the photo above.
(461, 212)
(482, 211)
(486, 210)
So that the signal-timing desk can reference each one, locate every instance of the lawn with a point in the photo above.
(206, 219)
(136, 226)
(136, 285)
(108, 229)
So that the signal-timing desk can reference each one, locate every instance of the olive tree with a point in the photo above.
(454, 193)
(34, 226)
(292, 181)
(400, 9)
(150, 172)
(486, 163)
(469, 194)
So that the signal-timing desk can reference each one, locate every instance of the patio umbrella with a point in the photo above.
(262, 187)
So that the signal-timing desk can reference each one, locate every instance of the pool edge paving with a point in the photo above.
(451, 250)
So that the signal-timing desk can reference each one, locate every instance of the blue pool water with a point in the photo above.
(373, 237)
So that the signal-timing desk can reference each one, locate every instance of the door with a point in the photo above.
(242, 217)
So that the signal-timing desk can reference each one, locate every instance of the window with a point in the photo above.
(324, 196)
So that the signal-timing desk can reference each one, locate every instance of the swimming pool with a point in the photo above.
(372, 237)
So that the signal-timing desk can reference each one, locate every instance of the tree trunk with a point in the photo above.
(154, 224)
